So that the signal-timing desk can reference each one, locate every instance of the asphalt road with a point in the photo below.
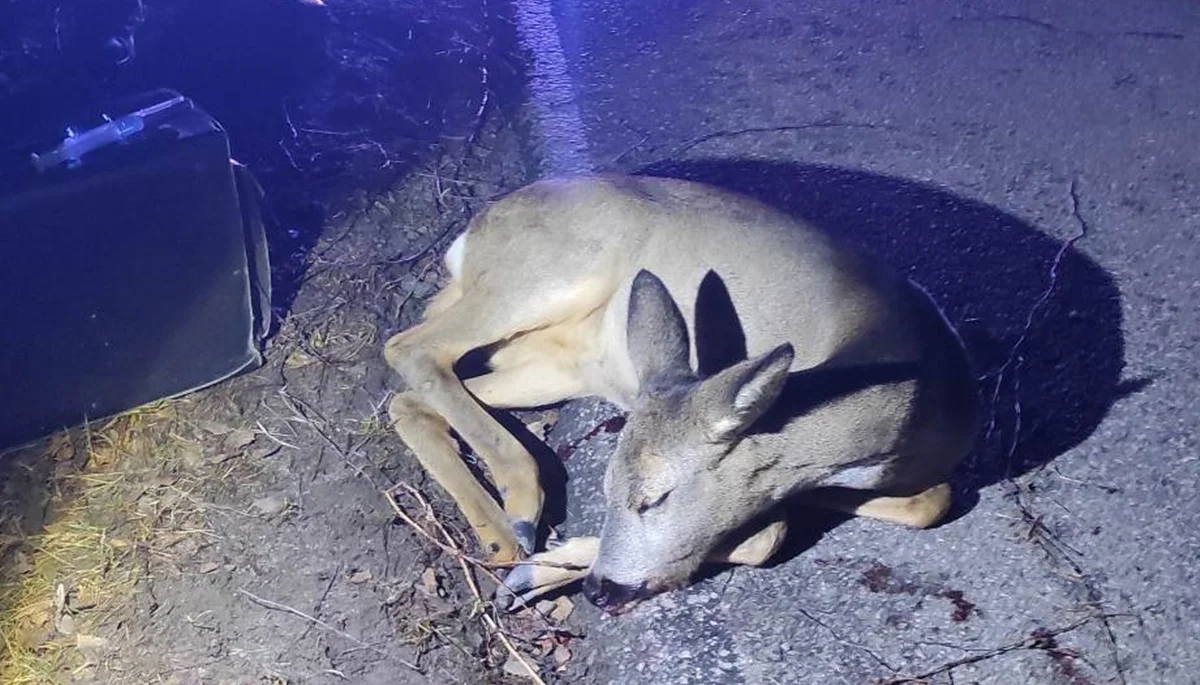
(966, 143)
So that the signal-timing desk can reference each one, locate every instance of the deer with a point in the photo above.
(759, 361)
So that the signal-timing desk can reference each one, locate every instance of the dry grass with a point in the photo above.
(62, 586)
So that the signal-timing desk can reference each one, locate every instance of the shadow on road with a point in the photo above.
(1049, 351)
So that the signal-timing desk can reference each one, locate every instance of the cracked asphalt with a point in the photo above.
(1035, 166)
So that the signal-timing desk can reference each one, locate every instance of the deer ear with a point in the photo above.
(656, 335)
(735, 398)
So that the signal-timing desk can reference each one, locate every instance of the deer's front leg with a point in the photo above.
(428, 437)
(439, 393)
(755, 550)
(547, 571)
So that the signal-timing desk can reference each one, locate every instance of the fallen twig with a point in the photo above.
(276, 606)
(301, 411)
(1040, 640)
(455, 549)
(448, 544)
(1015, 359)
(786, 128)
(848, 643)
(328, 587)
(1058, 550)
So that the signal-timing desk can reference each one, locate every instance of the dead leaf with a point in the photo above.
(429, 581)
(562, 655)
(60, 598)
(359, 575)
(65, 624)
(239, 439)
(514, 667)
(61, 448)
(562, 609)
(270, 506)
(213, 427)
(20, 564)
(33, 633)
(90, 643)
(298, 359)
(170, 539)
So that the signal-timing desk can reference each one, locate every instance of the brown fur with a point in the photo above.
(855, 388)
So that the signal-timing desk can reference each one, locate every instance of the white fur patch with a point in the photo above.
(456, 254)
(857, 477)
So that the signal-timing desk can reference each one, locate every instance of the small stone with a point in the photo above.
(270, 506)
(208, 567)
(545, 645)
(514, 667)
(359, 576)
(542, 426)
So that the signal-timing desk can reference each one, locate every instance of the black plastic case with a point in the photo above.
(133, 265)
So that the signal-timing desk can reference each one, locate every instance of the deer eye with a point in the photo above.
(650, 503)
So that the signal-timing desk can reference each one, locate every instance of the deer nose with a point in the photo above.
(609, 595)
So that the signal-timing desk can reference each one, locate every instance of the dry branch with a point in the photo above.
(448, 544)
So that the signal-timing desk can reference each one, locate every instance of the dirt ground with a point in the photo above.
(242, 534)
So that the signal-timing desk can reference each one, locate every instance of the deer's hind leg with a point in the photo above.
(920, 510)
(756, 549)
(425, 356)
(541, 367)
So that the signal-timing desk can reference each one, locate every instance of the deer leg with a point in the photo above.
(534, 385)
(547, 571)
(534, 370)
(425, 356)
(921, 510)
(428, 436)
(755, 550)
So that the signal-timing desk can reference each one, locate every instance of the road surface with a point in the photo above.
(1035, 166)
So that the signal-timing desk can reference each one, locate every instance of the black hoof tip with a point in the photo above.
(526, 534)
